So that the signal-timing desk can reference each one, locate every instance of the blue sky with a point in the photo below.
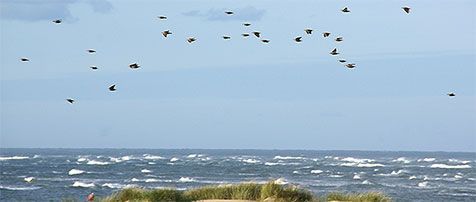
(239, 93)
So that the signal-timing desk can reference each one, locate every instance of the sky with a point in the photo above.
(241, 93)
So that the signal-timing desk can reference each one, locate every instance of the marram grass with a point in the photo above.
(245, 191)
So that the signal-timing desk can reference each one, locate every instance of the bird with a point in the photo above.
(71, 101)
(350, 65)
(58, 21)
(162, 17)
(339, 39)
(326, 34)
(265, 41)
(91, 51)
(134, 66)
(257, 34)
(24, 59)
(451, 94)
(406, 9)
(308, 31)
(191, 39)
(112, 88)
(246, 24)
(166, 32)
(342, 61)
(226, 37)
(90, 196)
(229, 12)
(334, 52)
(298, 39)
(345, 10)
(94, 67)
(245, 35)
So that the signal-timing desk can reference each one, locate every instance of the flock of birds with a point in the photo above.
(257, 34)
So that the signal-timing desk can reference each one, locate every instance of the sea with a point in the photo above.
(65, 174)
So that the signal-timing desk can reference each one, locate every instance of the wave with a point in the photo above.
(426, 160)
(316, 171)
(75, 172)
(280, 163)
(83, 184)
(151, 180)
(401, 160)
(438, 165)
(336, 176)
(250, 161)
(422, 184)
(412, 177)
(82, 159)
(362, 165)
(289, 157)
(357, 177)
(186, 179)
(281, 181)
(357, 160)
(18, 188)
(366, 182)
(151, 163)
(28, 179)
(113, 185)
(459, 161)
(174, 159)
(94, 162)
(151, 157)
(393, 173)
(4, 158)
(145, 171)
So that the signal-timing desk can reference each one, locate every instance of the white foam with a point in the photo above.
(336, 176)
(423, 184)
(28, 179)
(281, 181)
(75, 172)
(295, 172)
(459, 161)
(135, 180)
(356, 177)
(186, 179)
(83, 184)
(316, 171)
(36, 156)
(271, 164)
(174, 159)
(145, 171)
(288, 157)
(362, 165)
(82, 159)
(426, 160)
(113, 185)
(458, 176)
(412, 177)
(126, 158)
(4, 158)
(366, 182)
(151, 180)
(402, 160)
(250, 161)
(192, 156)
(115, 160)
(394, 173)
(94, 162)
(438, 165)
(151, 157)
(357, 160)
(151, 163)
(17, 188)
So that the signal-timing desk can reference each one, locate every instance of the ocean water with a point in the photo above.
(74, 173)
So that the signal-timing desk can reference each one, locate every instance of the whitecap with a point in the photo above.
(356, 177)
(36, 156)
(271, 164)
(281, 181)
(288, 157)
(28, 179)
(18, 188)
(426, 160)
(250, 161)
(186, 179)
(459, 161)
(402, 160)
(115, 160)
(192, 156)
(366, 182)
(357, 160)
(151, 180)
(82, 159)
(4, 158)
(145, 171)
(316, 171)
(83, 184)
(295, 172)
(75, 172)
(458, 176)
(94, 162)
(174, 159)
(449, 166)
(412, 177)
(151, 163)
(151, 157)
(135, 180)
(126, 158)
(423, 184)
(113, 185)
(336, 176)
(362, 165)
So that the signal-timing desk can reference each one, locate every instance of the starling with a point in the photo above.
(134, 66)
(191, 39)
(298, 39)
(112, 88)
(166, 32)
(308, 31)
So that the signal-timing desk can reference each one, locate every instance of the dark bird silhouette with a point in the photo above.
(112, 88)
(91, 51)
(162, 17)
(406, 9)
(350, 65)
(58, 21)
(265, 41)
(308, 31)
(134, 66)
(257, 34)
(226, 37)
(24, 59)
(246, 24)
(345, 10)
(245, 35)
(339, 39)
(191, 39)
(298, 39)
(342, 61)
(229, 12)
(94, 67)
(326, 34)
(71, 101)
(451, 94)
(166, 32)
(334, 52)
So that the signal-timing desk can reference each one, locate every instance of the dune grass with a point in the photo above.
(245, 191)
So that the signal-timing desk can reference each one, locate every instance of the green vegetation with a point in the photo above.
(245, 191)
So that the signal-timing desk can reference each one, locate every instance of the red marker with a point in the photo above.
(91, 196)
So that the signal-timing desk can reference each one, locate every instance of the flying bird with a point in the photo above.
(91, 51)
(166, 32)
(257, 34)
(451, 94)
(406, 9)
(245, 35)
(334, 52)
(350, 65)
(339, 39)
(191, 39)
(162, 17)
(94, 67)
(308, 31)
(24, 59)
(246, 24)
(229, 12)
(265, 41)
(345, 10)
(342, 61)
(112, 88)
(134, 66)
(226, 37)
(58, 21)
(326, 34)
(298, 39)
(71, 101)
